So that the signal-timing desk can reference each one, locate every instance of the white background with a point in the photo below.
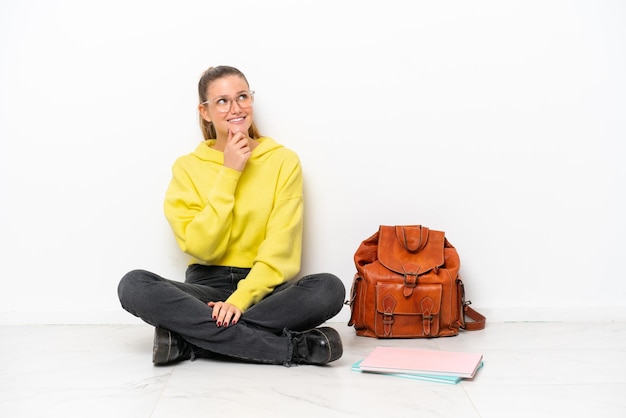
(499, 122)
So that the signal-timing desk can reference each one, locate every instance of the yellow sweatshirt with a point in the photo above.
(250, 219)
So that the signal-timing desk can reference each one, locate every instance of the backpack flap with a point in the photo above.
(410, 251)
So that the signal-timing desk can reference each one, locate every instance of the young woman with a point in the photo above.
(235, 206)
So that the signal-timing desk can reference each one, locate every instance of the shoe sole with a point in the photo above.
(162, 346)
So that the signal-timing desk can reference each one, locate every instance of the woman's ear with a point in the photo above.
(204, 112)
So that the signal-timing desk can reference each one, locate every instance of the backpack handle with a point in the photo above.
(413, 238)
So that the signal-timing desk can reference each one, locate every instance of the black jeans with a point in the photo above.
(262, 334)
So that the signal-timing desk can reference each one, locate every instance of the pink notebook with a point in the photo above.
(432, 362)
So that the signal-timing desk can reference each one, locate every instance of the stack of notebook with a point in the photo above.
(431, 365)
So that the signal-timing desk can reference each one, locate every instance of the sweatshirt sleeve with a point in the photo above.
(279, 255)
(201, 225)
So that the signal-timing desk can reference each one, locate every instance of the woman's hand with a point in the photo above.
(224, 313)
(237, 150)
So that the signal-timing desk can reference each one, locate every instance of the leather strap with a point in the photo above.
(427, 306)
(412, 238)
(478, 320)
(389, 304)
(411, 273)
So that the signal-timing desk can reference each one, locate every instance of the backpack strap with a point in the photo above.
(478, 320)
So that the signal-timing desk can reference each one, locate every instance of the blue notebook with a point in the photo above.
(450, 380)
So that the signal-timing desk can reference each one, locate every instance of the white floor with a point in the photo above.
(531, 370)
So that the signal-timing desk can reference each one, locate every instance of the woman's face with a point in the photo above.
(228, 107)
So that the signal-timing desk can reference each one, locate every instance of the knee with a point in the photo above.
(335, 293)
(333, 288)
(130, 285)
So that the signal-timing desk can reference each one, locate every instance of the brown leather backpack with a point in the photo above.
(407, 285)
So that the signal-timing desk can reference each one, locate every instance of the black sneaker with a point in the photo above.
(317, 346)
(169, 348)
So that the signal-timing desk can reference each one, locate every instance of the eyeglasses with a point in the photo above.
(223, 104)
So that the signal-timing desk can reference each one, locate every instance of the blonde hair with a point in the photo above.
(208, 77)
